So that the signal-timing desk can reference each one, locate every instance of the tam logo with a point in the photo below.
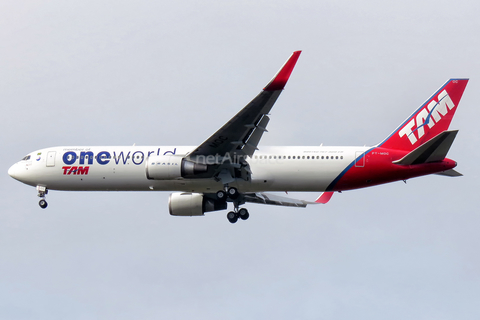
(75, 170)
(429, 115)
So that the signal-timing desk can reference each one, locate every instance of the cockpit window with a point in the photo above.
(26, 157)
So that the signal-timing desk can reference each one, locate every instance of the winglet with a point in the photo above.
(280, 80)
(324, 198)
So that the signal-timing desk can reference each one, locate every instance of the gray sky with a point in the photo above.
(171, 73)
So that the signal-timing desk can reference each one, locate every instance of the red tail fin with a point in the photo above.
(431, 119)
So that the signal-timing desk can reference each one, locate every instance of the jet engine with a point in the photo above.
(170, 167)
(193, 204)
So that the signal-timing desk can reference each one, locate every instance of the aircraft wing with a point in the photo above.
(273, 199)
(243, 132)
(266, 198)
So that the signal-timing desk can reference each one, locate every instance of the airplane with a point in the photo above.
(230, 167)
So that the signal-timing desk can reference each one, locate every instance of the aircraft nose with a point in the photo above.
(12, 171)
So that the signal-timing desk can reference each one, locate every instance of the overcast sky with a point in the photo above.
(173, 72)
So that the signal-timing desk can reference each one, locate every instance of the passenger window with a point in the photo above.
(336, 157)
(308, 157)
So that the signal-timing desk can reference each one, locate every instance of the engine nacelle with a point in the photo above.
(193, 204)
(170, 167)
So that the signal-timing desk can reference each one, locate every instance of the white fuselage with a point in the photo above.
(124, 169)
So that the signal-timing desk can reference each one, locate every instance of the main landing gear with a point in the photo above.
(233, 194)
(42, 191)
(233, 216)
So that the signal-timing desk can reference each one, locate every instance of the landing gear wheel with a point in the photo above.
(243, 214)
(233, 193)
(232, 217)
(43, 204)
(221, 195)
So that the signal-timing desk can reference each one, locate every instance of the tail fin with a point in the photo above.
(432, 118)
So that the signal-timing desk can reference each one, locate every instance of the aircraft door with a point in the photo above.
(359, 159)
(51, 158)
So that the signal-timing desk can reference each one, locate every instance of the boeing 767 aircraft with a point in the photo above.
(229, 167)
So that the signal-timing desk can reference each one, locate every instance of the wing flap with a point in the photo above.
(251, 142)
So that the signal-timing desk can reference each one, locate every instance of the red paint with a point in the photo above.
(75, 170)
(281, 78)
(324, 198)
(455, 89)
(379, 169)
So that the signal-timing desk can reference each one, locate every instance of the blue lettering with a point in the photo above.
(103, 157)
(169, 152)
(137, 157)
(88, 155)
(124, 159)
(69, 157)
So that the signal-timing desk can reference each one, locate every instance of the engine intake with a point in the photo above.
(193, 204)
(170, 167)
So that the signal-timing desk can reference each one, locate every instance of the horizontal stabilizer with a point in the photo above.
(433, 150)
(450, 173)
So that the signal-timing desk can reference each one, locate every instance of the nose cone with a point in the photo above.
(12, 171)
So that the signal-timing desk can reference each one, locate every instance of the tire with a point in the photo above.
(243, 214)
(43, 204)
(221, 195)
(232, 217)
(233, 193)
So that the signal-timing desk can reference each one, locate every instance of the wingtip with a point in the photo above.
(280, 80)
(324, 198)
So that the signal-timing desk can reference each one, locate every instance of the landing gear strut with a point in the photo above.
(42, 191)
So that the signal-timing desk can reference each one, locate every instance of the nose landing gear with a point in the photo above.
(42, 191)
(42, 203)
